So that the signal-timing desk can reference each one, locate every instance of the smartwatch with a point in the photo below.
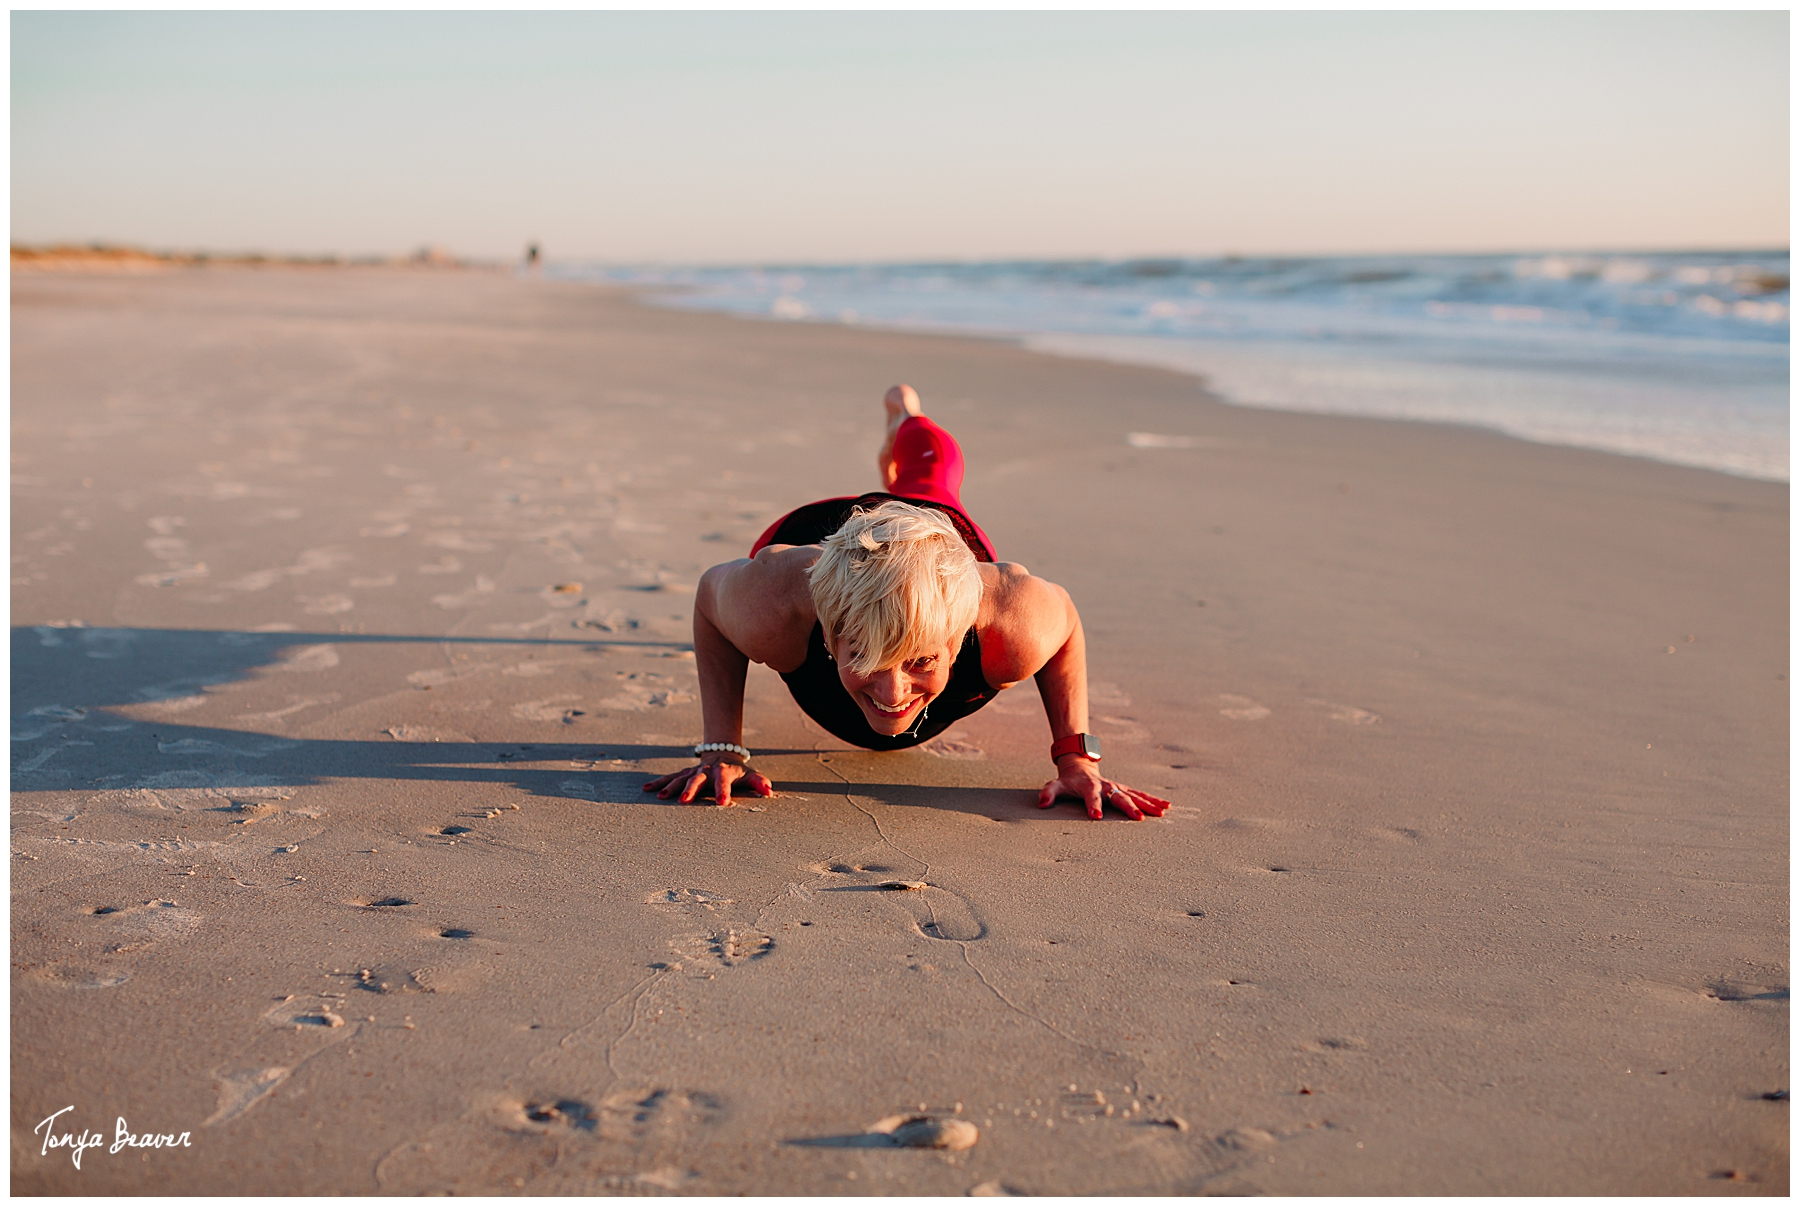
(1084, 744)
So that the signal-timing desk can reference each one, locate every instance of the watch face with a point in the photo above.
(1090, 745)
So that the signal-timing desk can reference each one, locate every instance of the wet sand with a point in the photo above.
(351, 609)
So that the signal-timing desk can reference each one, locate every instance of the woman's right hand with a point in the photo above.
(721, 773)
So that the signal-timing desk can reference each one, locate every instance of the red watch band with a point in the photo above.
(1084, 744)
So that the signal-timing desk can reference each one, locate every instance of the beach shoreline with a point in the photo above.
(336, 589)
(1681, 357)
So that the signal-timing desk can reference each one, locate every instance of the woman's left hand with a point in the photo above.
(1081, 779)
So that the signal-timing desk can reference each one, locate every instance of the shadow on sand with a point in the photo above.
(64, 681)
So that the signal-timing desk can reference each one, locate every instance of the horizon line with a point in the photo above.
(440, 253)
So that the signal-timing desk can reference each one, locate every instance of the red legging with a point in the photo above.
(930, 466)
(929, 462)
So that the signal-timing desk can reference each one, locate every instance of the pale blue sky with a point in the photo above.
(705, 137)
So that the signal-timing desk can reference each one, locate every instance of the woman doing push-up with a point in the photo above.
(889, 618)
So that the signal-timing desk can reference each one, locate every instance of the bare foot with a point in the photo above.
(901, 403)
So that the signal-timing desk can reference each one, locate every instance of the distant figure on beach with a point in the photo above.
(531, 256)
(890, 618)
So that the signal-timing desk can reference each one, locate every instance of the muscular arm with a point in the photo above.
(1029, 626)
(1035, 629)
(722, 668)
(1063, 680)
(751, 610)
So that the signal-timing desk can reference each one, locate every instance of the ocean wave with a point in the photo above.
(1704, 333)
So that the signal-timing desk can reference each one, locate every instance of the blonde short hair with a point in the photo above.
(899, 581)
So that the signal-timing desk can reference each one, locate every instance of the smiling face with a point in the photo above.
(891, 698)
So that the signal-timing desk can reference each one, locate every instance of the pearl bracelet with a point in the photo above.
(733, 747)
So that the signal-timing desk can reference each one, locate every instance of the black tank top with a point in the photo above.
(821, 695)
(815, 685)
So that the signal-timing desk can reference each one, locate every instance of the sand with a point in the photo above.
(350, 611)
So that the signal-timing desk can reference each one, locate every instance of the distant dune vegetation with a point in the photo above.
(78, 257)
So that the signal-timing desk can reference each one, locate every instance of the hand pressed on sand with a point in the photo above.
(1081, 780)
(721, 775)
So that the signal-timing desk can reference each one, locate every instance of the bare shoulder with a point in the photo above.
(1023, 621)
(763, 605)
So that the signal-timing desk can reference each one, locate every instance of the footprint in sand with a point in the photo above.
(642, 690)
(128, 928)
(47, 718)
(391, 979)
(306, 1012)
(397, 978)
(685, 900)
(940, 913)
(297, 1028)
(243, 1089)
(178, 791)
(78, 976)
(1248, 1150)
(1347, 713)
(611, 621)
(562, 1113)
(1247, 1139)
(726, 946)
(1241, 708)
(937, 912)
(550, 708)
(562, 1142)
